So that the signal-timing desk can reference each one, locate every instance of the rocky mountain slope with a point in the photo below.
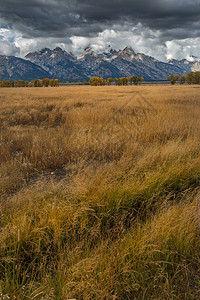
(112, 63)
(14, 68)
(192, 65)
(60, 64)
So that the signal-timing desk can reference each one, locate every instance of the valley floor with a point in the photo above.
(100, 192)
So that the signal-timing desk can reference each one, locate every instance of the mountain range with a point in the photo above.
(15, 68)
(66, 66)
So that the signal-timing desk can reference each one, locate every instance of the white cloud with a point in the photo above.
(30, 45)
(180, 49)
(12, 42)
(7, 45)
(141, 39)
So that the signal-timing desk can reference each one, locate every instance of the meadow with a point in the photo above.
(99, 192)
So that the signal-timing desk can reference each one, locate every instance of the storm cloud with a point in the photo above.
(158, 27)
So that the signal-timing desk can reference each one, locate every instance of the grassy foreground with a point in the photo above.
(100, 192)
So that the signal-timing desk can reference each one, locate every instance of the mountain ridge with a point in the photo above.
(66, 66)
(15, 68)
(110, 63)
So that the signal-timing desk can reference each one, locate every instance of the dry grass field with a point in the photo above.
(99, 192)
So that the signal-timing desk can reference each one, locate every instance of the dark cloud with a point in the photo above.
(62, 19)
(81, 17)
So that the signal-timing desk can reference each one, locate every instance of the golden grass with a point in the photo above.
(99, 192)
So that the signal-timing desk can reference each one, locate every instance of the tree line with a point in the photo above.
(34, 83)
(98, 81)
(190, 78)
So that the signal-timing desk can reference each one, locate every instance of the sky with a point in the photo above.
(164, 29)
